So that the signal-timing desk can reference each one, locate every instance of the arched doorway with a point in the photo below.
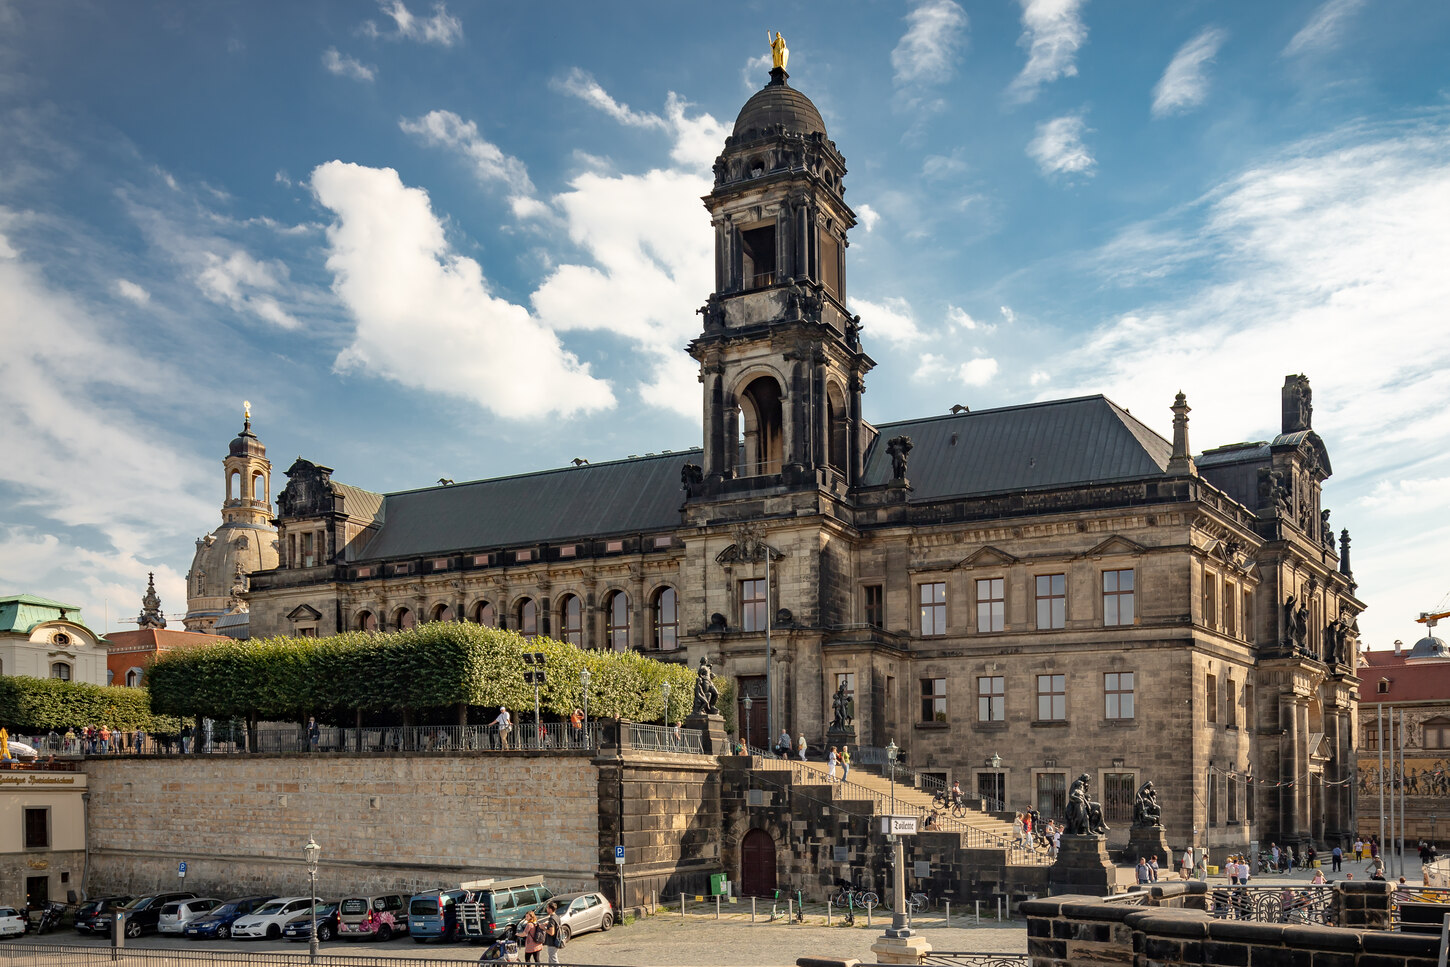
(757, 864)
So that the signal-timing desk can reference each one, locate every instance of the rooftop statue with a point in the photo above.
(779, 52)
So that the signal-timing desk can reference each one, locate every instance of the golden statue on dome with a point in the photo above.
(246, 409)
(779, 52)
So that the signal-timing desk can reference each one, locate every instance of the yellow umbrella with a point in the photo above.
(4, 744)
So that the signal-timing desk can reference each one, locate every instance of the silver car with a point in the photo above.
(178, 913)
(581, 912)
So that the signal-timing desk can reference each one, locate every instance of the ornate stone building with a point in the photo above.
(41, 638)
(1013, 595)
(245, 542)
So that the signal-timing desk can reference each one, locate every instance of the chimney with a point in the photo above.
(1182, 461)
(1398, 645)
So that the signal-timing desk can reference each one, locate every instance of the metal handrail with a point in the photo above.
(1295, 903)
(656, 738)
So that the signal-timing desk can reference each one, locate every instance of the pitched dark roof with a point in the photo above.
(595, 500)
(1089, 439)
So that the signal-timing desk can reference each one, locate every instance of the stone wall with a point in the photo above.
(386, 822)
(1077, 931)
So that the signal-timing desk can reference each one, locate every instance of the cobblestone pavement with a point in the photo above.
(662, 940)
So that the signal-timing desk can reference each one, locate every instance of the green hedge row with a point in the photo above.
(32, 705)
(423, 674)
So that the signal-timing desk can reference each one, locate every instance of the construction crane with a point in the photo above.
(1429, 620)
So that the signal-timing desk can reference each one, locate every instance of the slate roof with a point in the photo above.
(1037, 446)
(595, 500)
(1030, 447)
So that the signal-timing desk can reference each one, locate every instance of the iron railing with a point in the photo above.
(1417, 895)
(23, 954)
(656, 738)
(948, 958)
(1273, 904)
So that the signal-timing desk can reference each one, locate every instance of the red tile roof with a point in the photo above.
(1424, 680)
(151, 639)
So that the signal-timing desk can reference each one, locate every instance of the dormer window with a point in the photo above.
(1383, 687)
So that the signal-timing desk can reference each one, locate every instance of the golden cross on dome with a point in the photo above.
(246, 409)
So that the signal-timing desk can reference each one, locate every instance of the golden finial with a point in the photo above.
(779, 52)
(246, 409)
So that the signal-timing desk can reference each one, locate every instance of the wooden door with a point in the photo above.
(757, 864)
(757, 734)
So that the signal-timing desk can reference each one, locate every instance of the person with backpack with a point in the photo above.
(554, 939)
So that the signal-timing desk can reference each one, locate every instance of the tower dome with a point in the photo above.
(1429, 647)
(778, 108)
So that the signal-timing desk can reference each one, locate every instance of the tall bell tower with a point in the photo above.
(780, 356)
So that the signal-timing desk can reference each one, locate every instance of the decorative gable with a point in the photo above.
(1117, 544)
(304, 612)
(987, 556)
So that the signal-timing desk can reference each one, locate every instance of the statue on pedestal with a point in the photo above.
(706, 694)
(1084, 814)
(1146, 810)
(842, 709)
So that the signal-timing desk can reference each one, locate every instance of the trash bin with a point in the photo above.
(717, 884)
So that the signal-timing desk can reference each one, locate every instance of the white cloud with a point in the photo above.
(942, 165)
(345, 66)
(1327, 258)
(1038, 377)
(958, 318)
(132, 292)
(698, 139)
(756, 71)
(867, 216)
(974, 372)
(490, 164)
(442, 28)
(246, 284)
(1052, 32)
(581, 84)
(890, 319)
(424, 315)
(1184, 83)
(1008, 314)
(1324, 29)
(1404, 497)
(927, 53)
(1058, 148)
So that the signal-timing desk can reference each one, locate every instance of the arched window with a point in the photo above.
(836, 420)
(133, 678)
(571, 620)
(259, 487)
(666, 620)
(234, 484)
(367, 621)
(403, 619)
(761, 427)
(110, 677)
(616, 620)
(441, 612)
(528, 618)
(483, 614)
(61, 670)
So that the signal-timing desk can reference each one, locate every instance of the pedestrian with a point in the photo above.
(1337, 857)
(845, 762)
(1027, 829)
(533, 935)
(801, 747)
(1358, 849)
(105, 739)
(503, 724)
(1231, 867)
(554, 939)
(1274, 854)
(831, 761)
(1153, 868)
(1056, 839)
(782, 745)
(314, 734)
(576, 726)
(1244, 871)
(1017, 827)
(1142, 872)
(1187, 863)
(1318, 878)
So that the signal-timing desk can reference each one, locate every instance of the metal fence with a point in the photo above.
(947, 958)
(657, 738)
(1273, 904)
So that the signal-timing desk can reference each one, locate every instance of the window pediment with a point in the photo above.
(1117, 544)
(987, 556)
(304, 612)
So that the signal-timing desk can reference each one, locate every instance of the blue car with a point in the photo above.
(434, 916)
(218, 923)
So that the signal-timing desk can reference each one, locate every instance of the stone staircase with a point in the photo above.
(978, 829)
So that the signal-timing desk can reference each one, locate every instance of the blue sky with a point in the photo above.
(463, 240)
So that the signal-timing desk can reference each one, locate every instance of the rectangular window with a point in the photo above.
(1233, 798)
(438, 564)
(874, 598)
(613, 547)
(1249, 800)
(752, 605)
(1248, 622)
(1051, 698)
(933, 699)
(1210, 600)
(933, 609)
(1210, 699)
(1052, 794)
(991, 699)
(757, 250)
(1051, 601)
(309, 556)
(522, 557)
(1230, 609)
(1213, 799)
(1248, 706)
(37, 827)
(663, 542)
(364, 572)
(830, 263)
(482, 560)
(1118, 694)
(991, 605)
(1231, 705)
(1119, 793)
(569, 550)
(1118, 600)
(307, 632)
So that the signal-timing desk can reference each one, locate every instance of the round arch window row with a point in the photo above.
(569, 614)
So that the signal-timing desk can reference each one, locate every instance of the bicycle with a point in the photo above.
(946, 802)
(917, 903)
(850, 896)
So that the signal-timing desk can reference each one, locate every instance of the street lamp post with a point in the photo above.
(747, 703)
(898, 884)
(536, 679)
(312, 851)
(665, 690)
(1432, 829)
(584, 678)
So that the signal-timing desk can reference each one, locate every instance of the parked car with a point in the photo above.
(434, 916)
(493, 908)
(372, 917)
(142, 913)
(94, 913)
(178, 913)
(13, 923)
(218, 922)
(266, 922)
(300, 926)
(582, 912)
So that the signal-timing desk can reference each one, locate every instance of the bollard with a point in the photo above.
(789, 910)
(999, 909)
(682, 904)
(828, 911)
(949, 913)
(868, 913)
(717, 906)
(752, 909)
(977, 906)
